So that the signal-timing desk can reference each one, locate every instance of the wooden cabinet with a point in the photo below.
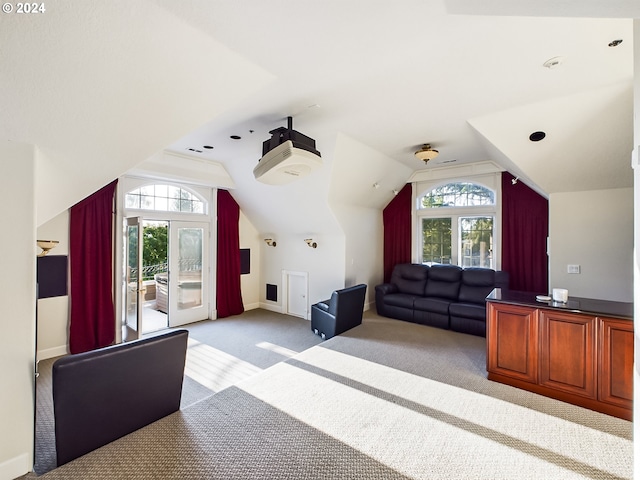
(568, 352)
(584, 359)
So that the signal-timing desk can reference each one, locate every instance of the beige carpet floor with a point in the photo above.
(388, 399)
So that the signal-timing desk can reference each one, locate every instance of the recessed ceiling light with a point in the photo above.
(537, 136)
(208, 147)
(615, 43)
(235, 137)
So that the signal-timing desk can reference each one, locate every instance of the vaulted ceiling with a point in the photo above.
(99, 87)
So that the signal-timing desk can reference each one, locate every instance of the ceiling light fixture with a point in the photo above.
(426, 153)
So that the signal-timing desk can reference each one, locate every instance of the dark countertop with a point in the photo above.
(588, 306)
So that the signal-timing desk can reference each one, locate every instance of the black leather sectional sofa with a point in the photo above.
(444, 296)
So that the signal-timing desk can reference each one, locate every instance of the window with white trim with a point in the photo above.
(456, 225)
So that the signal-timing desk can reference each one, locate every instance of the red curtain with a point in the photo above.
(525, 228)
(92, 317)
(228, 291)
(396, 219)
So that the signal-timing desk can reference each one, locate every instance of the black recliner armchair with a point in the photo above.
(340, 313)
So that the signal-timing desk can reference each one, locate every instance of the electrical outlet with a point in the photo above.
(573, 268)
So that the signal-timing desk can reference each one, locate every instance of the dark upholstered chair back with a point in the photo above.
(410, 278)
(102, 395)
(444, 281)
(340, 313)
(348, 302)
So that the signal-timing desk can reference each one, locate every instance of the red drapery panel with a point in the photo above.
(525, 227)
(396, 219)
(92, 317)
(228, 291)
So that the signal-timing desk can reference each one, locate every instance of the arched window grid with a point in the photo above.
(162, 197)
(457, 194)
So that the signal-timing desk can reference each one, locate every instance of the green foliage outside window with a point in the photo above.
(436, 240)
(154, 251)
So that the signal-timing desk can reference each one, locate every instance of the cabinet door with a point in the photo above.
(512, 341)
(567, 352)
(615, 377)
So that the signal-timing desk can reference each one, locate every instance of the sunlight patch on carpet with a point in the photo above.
(272, 347)
(407, 421)
(214, 368)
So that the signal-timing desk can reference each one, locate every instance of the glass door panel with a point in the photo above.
(188, 273)
(133, 280)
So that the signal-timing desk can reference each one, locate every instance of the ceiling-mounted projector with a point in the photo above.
(286, 156)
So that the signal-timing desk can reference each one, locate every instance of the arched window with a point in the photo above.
(164, 198)
(456, 225)
(458, 194)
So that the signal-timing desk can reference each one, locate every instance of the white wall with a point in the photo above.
(363, 248)
(53, 313)
(324, 265)
(250, 283)
(592, 229)
(18, 302)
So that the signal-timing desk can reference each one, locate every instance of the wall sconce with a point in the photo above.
(311, 243)
(270, 241)
(46, 245)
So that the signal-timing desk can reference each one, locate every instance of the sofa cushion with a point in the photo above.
(468, 310)
(444, 281)
(403, 300)
(477, 283)
(432, 304)
(410, 278)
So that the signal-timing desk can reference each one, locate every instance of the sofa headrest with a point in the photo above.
(410, 278)
(478, 277)
(445, 273)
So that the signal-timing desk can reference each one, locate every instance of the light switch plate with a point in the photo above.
(573, 268)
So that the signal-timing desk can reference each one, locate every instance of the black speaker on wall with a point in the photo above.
(245, 261)
(272, 292)
(52, 276)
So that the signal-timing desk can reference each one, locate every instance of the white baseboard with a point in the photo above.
(15, 467)
(52, 352)
(271, 307)
(252, 306)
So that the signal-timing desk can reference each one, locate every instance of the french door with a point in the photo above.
(133, 286)
(188, 272)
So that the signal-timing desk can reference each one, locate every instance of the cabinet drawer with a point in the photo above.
(512, 339)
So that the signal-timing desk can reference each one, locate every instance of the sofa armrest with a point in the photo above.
(386, 288)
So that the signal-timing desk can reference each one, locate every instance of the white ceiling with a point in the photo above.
(99, 87)
(395, 76)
